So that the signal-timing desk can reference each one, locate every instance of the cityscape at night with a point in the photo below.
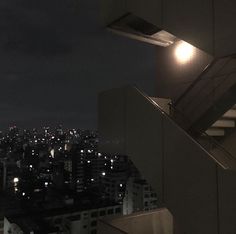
(57, 180)
(117, 117)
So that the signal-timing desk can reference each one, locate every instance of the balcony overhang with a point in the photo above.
(137, 28)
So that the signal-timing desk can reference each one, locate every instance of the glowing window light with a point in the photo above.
(52, 152)
(16, 180)
(184, 52)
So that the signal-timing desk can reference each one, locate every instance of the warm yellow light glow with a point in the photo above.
(184, 52)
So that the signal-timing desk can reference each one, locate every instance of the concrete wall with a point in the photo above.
(227, 203)
(190, 183)
(105, 228)
(154, 222)
(224, 22)
(229, 143)
(122, 130)
(206, 24)
(191, 21)
(199, 193)
(112, 10)
(152, 13)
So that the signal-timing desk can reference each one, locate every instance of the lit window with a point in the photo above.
(16, 180)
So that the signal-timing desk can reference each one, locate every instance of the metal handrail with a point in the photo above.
(211, 139)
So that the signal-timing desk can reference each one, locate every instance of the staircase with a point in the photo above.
(205, 105)
(225, 123)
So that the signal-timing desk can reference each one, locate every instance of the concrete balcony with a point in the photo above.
(154, 222)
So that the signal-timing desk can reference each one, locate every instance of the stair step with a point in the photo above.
(224, 123)
(230, 114)
(215, 132)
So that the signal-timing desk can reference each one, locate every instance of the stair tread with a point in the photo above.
(215, 131)
(233, 107)
(224, 123)
(230, 114)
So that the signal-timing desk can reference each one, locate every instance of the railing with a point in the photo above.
(209, 143)
(212, 147)
(216, 79)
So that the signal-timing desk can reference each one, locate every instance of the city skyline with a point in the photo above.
(55, 173)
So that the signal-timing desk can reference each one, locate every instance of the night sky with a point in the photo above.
(56, 57)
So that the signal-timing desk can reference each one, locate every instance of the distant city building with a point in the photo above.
(114, 185)
(84, 221)
(8, 171)
(139, 196)
(63, 178)
(63, 220)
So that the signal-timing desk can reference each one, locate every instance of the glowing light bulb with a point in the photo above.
(184, 52)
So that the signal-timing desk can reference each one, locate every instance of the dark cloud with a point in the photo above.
(55, 58)
(34, 30)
